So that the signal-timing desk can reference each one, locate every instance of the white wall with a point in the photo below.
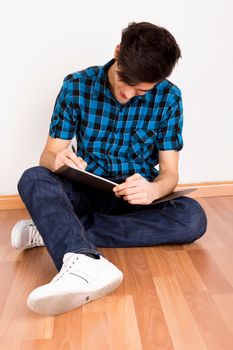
(42, 41)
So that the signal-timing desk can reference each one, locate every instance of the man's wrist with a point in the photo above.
(164, 184)
(155, 190)
(47, 160)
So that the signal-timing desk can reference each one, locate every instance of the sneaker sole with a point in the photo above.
(58, 304)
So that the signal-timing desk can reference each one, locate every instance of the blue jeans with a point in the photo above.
(76, 218)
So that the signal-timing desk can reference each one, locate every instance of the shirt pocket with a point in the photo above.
(142, 144)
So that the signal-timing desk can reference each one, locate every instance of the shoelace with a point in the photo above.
(65, 268)
(35, 237)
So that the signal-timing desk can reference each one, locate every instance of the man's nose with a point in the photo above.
(130, 92)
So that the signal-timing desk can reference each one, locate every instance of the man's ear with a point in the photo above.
(116, 52)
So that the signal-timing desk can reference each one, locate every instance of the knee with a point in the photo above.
(29, 177)
(197, 223)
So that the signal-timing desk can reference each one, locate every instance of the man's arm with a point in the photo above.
(57, 154)
(168, 176)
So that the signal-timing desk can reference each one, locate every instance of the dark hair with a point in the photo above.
(148, 53)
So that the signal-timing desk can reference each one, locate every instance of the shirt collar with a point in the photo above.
(100, 85)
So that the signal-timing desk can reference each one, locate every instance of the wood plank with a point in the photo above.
(138, 282)
(210, 272)
(157, 259)
(104, 318)
(221, 219)
(209, 321)
(27, 278)
(182, 326)
(188, 277)
(69, 326)
(224, 304)
(211, 238)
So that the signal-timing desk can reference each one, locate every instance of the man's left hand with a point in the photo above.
(136, 190)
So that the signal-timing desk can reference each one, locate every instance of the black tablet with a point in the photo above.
(173, 195)
(101, 183)
(86, 178)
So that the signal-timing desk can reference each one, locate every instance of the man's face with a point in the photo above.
(124, 92)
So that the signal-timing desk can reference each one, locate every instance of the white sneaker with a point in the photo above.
(81, 280)
(25, 235)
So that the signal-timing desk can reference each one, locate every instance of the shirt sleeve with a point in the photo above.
(64, 119)
(170, 130)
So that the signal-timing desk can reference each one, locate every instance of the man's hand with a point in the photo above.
(68, 157)
(136, 190)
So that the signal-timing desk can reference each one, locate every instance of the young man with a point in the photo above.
(127, 118)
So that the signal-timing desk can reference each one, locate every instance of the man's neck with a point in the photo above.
(111, 73)
(111, 82)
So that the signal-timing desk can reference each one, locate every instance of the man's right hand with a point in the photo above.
(68, 157)
(56, 154)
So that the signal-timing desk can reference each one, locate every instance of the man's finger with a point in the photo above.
(137, 201)
(124, 185)
(77, 160)
(136, 196)
(70, 163)
(133, 177)
(128, 191)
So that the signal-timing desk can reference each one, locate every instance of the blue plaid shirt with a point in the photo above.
(117, 140)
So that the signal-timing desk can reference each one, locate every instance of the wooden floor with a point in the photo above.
(172, 297)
